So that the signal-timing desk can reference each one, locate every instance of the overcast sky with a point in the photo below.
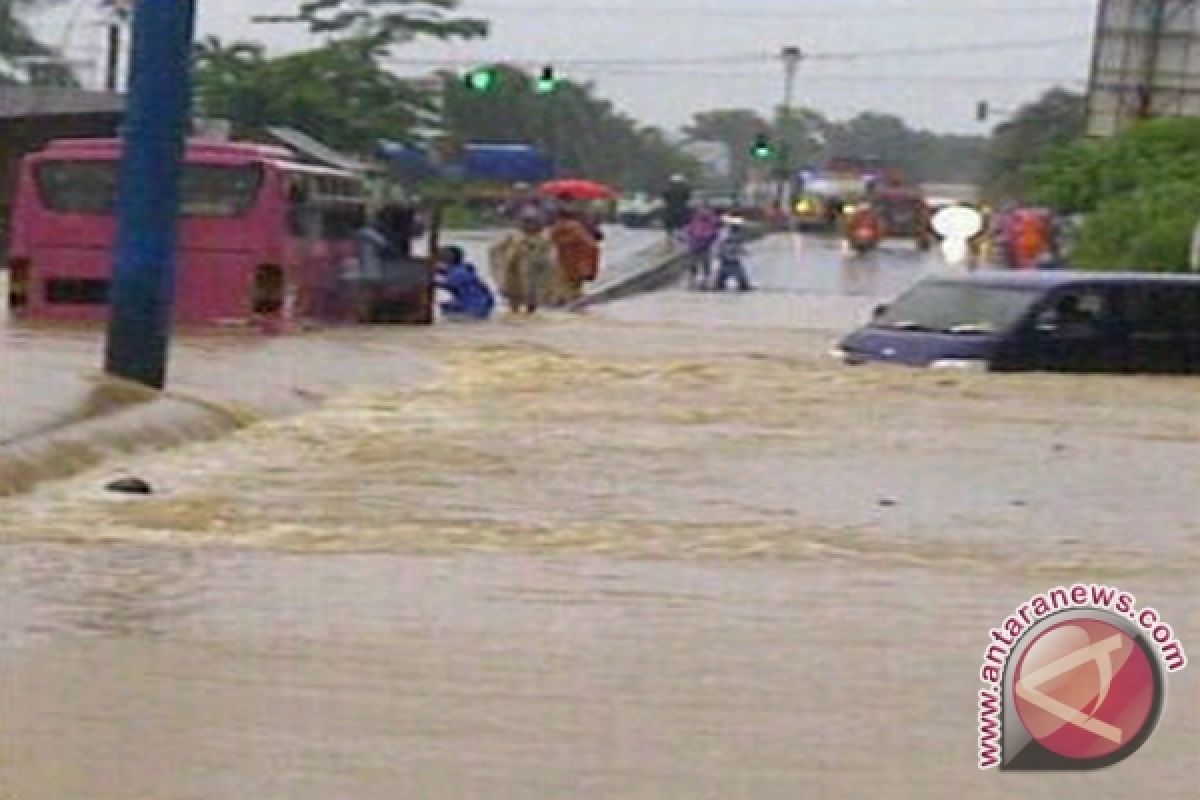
(1004, 51)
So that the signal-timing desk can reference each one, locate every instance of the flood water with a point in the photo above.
(663, 550)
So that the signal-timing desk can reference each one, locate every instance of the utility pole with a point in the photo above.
(1157, 21)
(154, 138)
(121, 11)
(113, 60)
(792, 57)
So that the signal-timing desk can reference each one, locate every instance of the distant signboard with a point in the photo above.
(1146, 63)
(715, 157)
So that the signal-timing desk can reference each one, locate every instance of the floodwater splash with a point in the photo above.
(557, 446)
(114, 418)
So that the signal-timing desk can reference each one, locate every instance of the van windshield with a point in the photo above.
(90, 187)
(958, 308)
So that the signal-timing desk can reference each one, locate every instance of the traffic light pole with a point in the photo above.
(154, 138)
(792, 56)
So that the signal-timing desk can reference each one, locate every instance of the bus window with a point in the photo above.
(218, 191)
(90, 187)
(325, 207)
(78, 187)
(343, 219)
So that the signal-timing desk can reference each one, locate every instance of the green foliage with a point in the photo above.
(1080, 177)
(807, 137)
(1147, 229)
(584, 133)
(337, 93)
(1141, 191)
(1056, 120)
(384, 23)
(18, 42)
(922, 156)
(734, 128)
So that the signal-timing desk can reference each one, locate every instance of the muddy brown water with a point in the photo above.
(665, 550)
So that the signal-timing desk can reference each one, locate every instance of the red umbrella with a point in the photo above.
(578, 190)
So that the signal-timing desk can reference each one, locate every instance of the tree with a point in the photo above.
(1055, 120)
(341, 92)
(336, 93)
(734, 128)
(922, 156)
(810, 138)
(18, 43)
(388, 22)
(803, 132)
(1140, 192)
(583, 132)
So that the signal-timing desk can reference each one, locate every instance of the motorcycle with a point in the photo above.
(863, 230)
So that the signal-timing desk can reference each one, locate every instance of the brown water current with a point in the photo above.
(635, 554)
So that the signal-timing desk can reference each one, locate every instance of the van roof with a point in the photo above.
(1053, 279)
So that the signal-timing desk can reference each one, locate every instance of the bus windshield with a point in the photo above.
(90, 187)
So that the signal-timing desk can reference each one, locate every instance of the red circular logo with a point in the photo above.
(1085, 689)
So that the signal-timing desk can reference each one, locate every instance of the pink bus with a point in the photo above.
(262, 239)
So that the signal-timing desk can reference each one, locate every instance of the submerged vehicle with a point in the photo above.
(264, 240)
(1041, 321)
(905, 215)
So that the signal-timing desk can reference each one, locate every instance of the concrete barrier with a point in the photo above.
(78, 446)
(667, 270)
(658, 274)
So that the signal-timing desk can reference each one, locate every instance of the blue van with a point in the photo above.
(1038, 321)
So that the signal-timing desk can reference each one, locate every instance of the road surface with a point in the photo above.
(662, 550)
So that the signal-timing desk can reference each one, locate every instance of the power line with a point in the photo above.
(746, 59)
(875, 12)
(979, 47)
(888, 77)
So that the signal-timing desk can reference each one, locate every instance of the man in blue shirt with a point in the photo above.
(470, 297)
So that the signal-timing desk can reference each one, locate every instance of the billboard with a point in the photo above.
(1146, 63)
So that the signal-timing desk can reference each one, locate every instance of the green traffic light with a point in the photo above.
(547, 82)
(482, 80)
(762, 149)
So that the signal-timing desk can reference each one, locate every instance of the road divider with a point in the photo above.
(123, 423)
(660, 269)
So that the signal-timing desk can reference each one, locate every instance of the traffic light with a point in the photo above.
(482, 80)
(762, 149)
(982, 111)
(547, 82)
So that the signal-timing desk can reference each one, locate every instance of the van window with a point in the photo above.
(1163, 309)
(1080, 312)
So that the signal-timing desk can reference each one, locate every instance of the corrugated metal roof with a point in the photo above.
(313, 150)
(27, 101)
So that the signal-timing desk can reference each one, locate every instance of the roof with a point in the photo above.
(199, 150)
(1050, 279)
(196, 147)
(312, 150)
(17, 102)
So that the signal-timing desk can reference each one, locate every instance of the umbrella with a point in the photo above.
(578, 190)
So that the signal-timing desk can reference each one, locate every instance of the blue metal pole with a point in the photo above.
(157, 121)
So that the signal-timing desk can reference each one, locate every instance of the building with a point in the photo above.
(30, 117)
(1146, 63)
